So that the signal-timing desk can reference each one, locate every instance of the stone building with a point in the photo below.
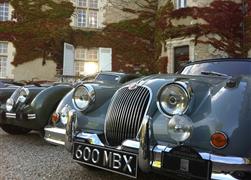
(93, 15)
(180, 50)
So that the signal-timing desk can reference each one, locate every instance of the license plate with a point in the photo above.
(106, 158)
(187, 168)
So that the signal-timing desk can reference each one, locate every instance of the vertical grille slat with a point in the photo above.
(125, 114)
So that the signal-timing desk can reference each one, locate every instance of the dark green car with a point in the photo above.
(30, 107)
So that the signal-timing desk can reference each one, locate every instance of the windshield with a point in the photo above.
(231, 68)
(108, 78)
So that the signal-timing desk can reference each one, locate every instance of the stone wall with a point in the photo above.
(113, 10)
(34, 70)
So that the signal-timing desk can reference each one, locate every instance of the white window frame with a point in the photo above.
(80, 54)
(90, 20)
(177, 42)
(181, 4)
(89, 57)
(5, 11)
(93, 2)
(80, 3)
(3, 66)
(81, 21)
(92, 55)
(3, 48)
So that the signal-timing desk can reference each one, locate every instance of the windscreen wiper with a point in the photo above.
(214, 73)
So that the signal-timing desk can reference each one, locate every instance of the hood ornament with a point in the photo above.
(133, 86)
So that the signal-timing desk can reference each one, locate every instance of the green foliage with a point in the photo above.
(43, 26)
(40, 29)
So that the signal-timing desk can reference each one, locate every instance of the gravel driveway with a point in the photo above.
(30, 157)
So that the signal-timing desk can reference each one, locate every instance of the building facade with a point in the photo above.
(7, 50)
(94, 15)
(181, 50)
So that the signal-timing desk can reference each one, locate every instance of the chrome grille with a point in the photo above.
(125, 114)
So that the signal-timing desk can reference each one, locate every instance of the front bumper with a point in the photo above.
(150, 157)
(20, 116)
(5, 116)
(55, 135)
(223, 166)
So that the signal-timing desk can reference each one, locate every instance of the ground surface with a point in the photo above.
(30, 157)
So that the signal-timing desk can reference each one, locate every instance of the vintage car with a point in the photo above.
(6, 90)
(30, 107)
(107, 82)
(193, 125)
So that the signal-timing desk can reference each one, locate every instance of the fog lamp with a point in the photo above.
(180, 128)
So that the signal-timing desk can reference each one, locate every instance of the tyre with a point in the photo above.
(14, 130)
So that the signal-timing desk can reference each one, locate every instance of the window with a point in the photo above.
(81, 18)
(80, 54)
(86, 13)
(4, 11)
(79, 68)
(3, 66)
(93, 4)
(181, 4)
(81, 3)
(3, 48)
(93, 19)
(181, 57)
(92, 55)
(86, 61)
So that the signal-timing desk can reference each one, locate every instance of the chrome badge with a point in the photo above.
(133, 86)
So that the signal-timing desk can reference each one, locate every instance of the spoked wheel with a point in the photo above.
(14, 130)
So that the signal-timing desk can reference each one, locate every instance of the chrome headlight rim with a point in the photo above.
(23, 94)
(186, 88)
(9, 104)
(91, 96)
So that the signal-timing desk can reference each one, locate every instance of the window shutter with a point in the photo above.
(68, 66)
(105, 59)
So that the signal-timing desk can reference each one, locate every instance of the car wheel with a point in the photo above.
(15, 130)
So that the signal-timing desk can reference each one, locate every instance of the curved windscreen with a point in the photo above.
(231, 68)
(108, 78)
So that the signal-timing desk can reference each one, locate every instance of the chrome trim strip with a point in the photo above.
(11, 115)
(220, 176)
(91, 138)
(53, 141)
(56, 130)
(31, 116)
(144, 146)
(131, 144)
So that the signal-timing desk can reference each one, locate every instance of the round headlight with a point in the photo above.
(24, 92)
(180, 128)
(64, 115)
(9, 104)
(83, 96)
(174, 99)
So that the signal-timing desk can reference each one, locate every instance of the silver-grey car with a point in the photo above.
(193, 125)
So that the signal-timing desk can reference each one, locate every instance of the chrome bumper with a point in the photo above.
(55, 135)
(220, 163)
(14, 116)
(150, 157)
